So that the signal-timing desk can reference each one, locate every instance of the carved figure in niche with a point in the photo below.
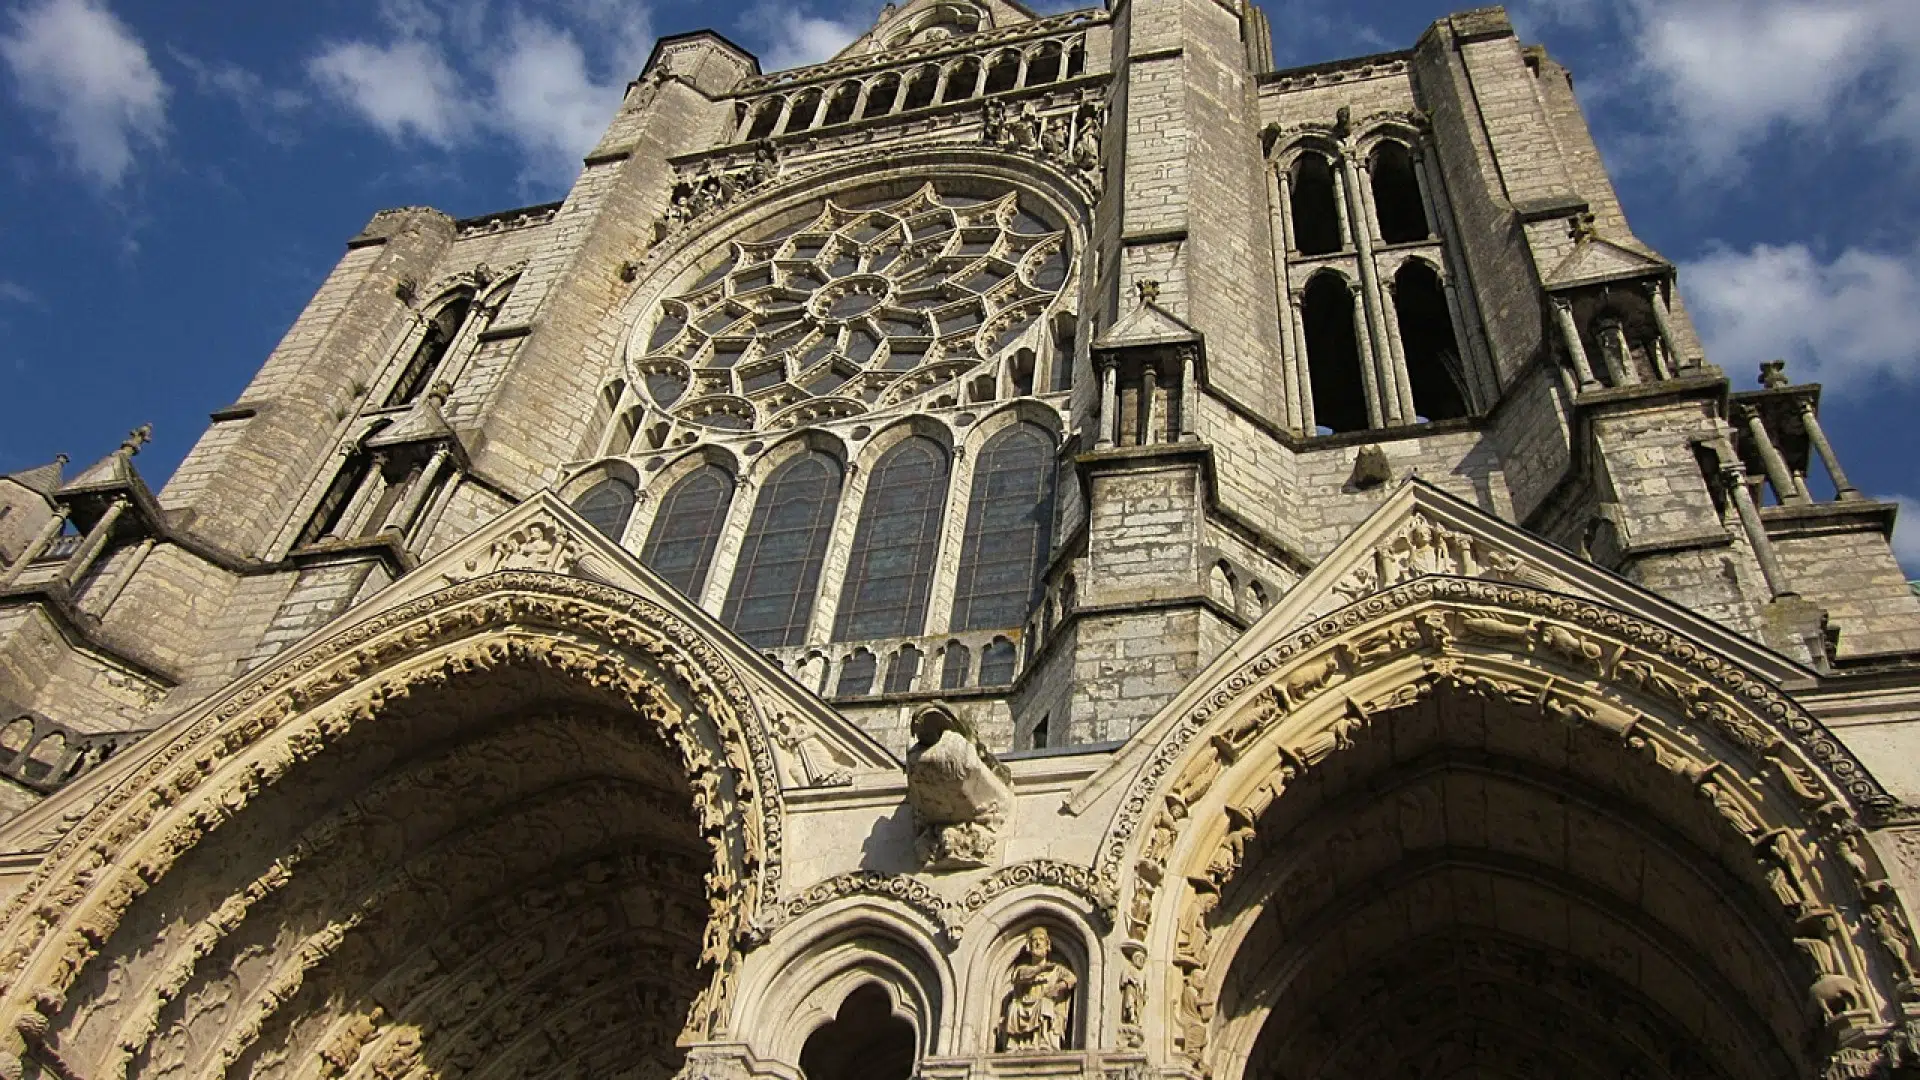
(993, 122)
(1577, 650)
(959, 791)
(1232, 852)
(1086, 145)
(1893, 937)
(1433, 627)
(1833, 992)
(1195, 938)
(1713, 788)
(1041, 1004)
(1199, 777)
(1023, 130)
(1053, 137)
(1315, 677)
(810, 762)
(1196, 1016)
(1784, 875)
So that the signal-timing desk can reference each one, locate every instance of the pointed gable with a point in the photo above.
(1595, 260)
(42, 480)
(928, 22)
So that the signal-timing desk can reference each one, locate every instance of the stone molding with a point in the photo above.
(950, 917)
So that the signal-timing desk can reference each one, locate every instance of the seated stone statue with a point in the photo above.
(1041, 1004)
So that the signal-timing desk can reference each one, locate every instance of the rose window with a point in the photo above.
(856, 308)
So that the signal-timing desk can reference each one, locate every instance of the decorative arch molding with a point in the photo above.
(951, 919)
(618, 648)
(1766, 771)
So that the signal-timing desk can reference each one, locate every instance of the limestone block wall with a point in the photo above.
(1845, 565)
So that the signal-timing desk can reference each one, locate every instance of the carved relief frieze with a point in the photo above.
(1069, 139)
(1419, 547)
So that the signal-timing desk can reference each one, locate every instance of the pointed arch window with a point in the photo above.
(1333, 355)
(771, 598)
(686, 531)
(441, 331)
(606, 506)
(1009, 531)
(890, 571)
(1428, 340)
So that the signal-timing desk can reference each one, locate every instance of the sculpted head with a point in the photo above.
(1039, 943)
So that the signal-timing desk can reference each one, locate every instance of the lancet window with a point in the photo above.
(772, 594)
(431, 350)
(890, 571)
(686, 530)
(606, 506)
(1009, 531)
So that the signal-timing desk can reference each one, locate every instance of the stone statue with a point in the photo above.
(1041, 1003)
(960, 793)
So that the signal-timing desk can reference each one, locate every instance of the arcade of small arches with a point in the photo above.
(964, 77)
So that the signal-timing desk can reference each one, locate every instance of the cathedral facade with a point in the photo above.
(1039, 547)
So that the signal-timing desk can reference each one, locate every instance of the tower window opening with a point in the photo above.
(840, 108)
(765, 118)
(804, 106)
(1431, 347)
(881, 96)
(1333, 356)
(441, 331)
(904, 670)
(920, 90)
(998, 661)
(955, 665)
(961, 78)
(856, 675)
(1004, 74)
(1045, 66)
(1315, 206)
(1396, 196)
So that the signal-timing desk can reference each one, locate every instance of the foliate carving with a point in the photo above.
(1078, 880)
(537, 545)
(1420, 547)
(1039, 1010)
(959, 792)
(909, 891)
(717, 185)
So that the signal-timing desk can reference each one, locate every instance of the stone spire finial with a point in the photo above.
(1148, 289)
(1773, 375)
(439, 392)
(136, 439)
(1581, 228)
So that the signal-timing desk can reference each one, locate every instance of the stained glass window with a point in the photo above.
(845, 303)
(687, 529)
(997, 663)
(856, 675)
(1009, 531)
(904, 669)
(954, 669)
(891, 568)
(606, 506)
(773, 588)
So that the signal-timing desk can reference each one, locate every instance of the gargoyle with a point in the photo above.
(960, 793)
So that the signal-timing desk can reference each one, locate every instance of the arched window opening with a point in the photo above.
(765, 118)
(441, 331)
(686, 530)
(857, 674)
(955, 666)
(903, 670)
(961, 79)
(840, 109)
(771, 598)
(1076, 60)
(624, 431)
(1045, 66)
(1396, 196)
(804, 106)
(1333, 356)
(865, 1041)
(1020, 370)
(604, 408)
(1428, 341)
(1004, 74)
(1009, 531)
(997, 663)
(880, 98)
(1315, 206)
(920, 90)
(329, 516)
(890, 569)
(606, 506)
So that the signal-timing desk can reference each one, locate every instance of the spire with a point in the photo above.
(42, 480)
(116, 469)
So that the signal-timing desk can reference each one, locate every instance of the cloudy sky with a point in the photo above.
(180, 174)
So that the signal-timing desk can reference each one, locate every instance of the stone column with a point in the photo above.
(1369, 374)
(1616, 352)
(36, 547)
(1290, 360)
(1462, 339)
(860, 99)
(1843, 488)
(1375, 355)
(1301, 374)
(1735, 480)
(403, 516)
(786, 116)
(1776, 466)
(1026, 60)
(1570, 335)
(120, 580)
(1397, 351)
(90, 547)
(1470, 327)
(820, 110)
(1189, 397)
(1109, 407)
(1152, 425)
(1663, 319)
(352, 521)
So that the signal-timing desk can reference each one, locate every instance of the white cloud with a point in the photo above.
(1906, 535)
(83, 69)
(797, 38)
(13, 292)
(1721, 75)
(546, 100)
(403, 88)
(1849, 322)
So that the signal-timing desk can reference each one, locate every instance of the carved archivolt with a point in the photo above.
(205, 775)
(1184, 827)
(950, 917)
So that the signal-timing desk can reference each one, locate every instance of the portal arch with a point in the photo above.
(1272, 858)
(409, 842)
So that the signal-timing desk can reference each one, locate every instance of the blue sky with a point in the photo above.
(180, 174)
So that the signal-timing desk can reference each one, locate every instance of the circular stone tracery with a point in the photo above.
(870, 303)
